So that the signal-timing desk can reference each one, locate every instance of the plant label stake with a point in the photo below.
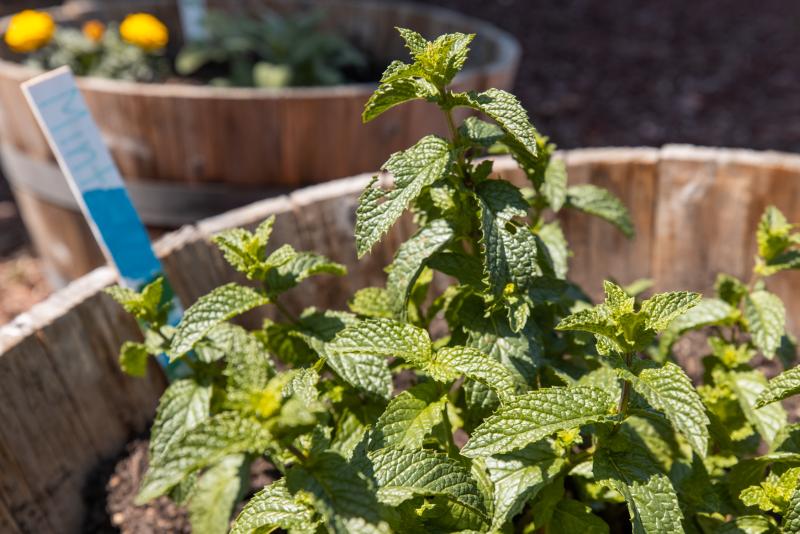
(193, 14)
(96, 183)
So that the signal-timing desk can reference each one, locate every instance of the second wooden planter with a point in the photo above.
(189, 151)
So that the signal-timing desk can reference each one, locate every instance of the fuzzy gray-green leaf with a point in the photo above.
(533, 416)
(221, 304)
(413, 169)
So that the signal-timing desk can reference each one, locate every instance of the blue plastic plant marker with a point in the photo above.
(193, 15)
(96, 183)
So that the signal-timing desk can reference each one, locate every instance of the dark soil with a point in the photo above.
(111, 490)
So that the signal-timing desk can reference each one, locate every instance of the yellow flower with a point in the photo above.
(94, 30)
(29, 30)
(144, 31)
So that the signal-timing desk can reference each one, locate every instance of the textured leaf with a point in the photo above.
(664, 308)
(505, 109)
(520, 352)
(571, 516)
(791, 519)
(669, 390)
(518, 476)
(339, 492)
(208, 442)
(766, 318)
(402, 474)
(358, 353)
(394, 92)
(601, 203)
(553, 238)
(450, 362)
(528, 418)
(773, 233)
(414, 42)
(409, 417)
(782, 386)
(617, 299)
(413, 169)
(652, 503)
(597, 320)
(509, 250)
(442, 58)
(373, 302)
(133, 358)
(301, 266)
(554, 187)
(221, 304)
(467, 269)
(185, 404)
(245, 251)
(480, 132)
(216, 493)
(410, 260)
(748, 387)
(144, 305)
(270, 509)
(246, 365)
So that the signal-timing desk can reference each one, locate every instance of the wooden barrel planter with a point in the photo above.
(65, 405)
(192, 151)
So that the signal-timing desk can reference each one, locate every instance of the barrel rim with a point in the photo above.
(507, 58)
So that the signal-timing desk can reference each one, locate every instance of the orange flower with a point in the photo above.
(94, 30)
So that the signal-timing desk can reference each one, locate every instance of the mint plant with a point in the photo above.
(503, 402)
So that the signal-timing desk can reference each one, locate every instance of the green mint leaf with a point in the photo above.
(402, 474)
(409, 261)
(519, 476)
(766, 319)
(652, 503)
(409, 417)
(791, 519)
(221, 304)
(748, 387)
(413, 169)
(554, 186)
(670, 391)
(372, 302)
(440, 60)
(273, 508)
(617, 299)
(730, 289)
(395, 90)
(782, 386)
(145, 305)
(506, 110)
(520, 352)
(339, 492)
(208, 443)
(451, 362)
(467, 269)
(247, 366)
(553, 238)
(509, 249)
(133, 358)
(301, 266)
(597, 320)
(600, 203)
(480, 133)
(183, 405)
(216, 493)
(773, 234)
(571, 516)
(414, 42)
(528, 418)
(358, 353)
(663, 308)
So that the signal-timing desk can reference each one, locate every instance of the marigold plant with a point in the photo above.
(29, 30)
(145, 31)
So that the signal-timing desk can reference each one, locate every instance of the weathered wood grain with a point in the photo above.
(244, 138)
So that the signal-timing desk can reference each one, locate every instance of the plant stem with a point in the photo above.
(622, 409)
(297, 452)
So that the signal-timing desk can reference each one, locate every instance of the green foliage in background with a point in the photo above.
(527, 408)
